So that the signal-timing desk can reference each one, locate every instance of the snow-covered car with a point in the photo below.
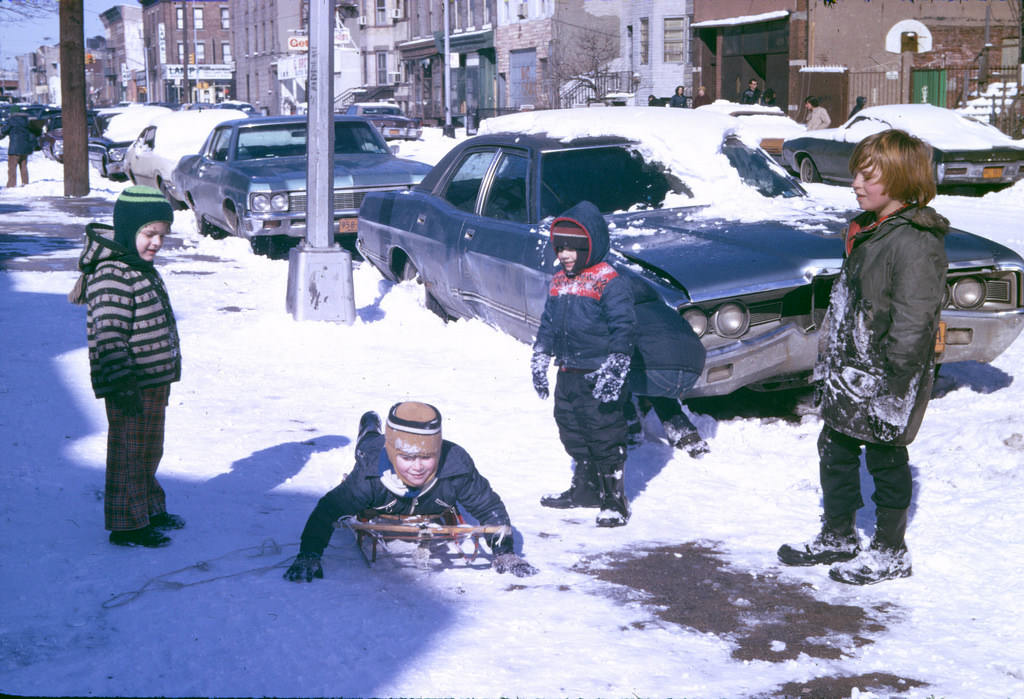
(968, 154)
(770, 124)
(388, 119)
(249, 178)
(716, 228)
(115, 130)
(152, 157)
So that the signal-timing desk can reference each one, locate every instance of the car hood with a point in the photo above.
(368, 170)
(764, 254)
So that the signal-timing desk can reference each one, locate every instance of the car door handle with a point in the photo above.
(468, 235)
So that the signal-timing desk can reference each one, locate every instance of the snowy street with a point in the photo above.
(688, 599)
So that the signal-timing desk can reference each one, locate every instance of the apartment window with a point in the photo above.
(382, 67)
(197, 17)
(225, 18)
(180, 17)
(181, 52)
(382, 13)
(200, 52)
(457, 11)
(645, 41)
(675, 40)
(225, 53)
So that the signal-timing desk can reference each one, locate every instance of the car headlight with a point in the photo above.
(117, 154)
(697, 320)
(968, 292)
(266, 202)
(730, 320)
(58, 147)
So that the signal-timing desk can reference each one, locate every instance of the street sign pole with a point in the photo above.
(320, 272)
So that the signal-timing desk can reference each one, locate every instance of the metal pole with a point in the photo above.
(449, 130)
(319, 272)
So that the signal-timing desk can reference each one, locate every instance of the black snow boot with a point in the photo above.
(886, 558)
(837, 541)
(147, 536)
(369, 422)
(584, 490)
(614, 506)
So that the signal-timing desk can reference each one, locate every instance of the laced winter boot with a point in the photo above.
(584, 490)
(682, 434)
(886, 558)
(614, 506)
(837, 541)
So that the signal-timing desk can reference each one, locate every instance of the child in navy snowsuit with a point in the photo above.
(588, 327)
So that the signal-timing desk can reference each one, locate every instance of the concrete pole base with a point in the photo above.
(320, 284)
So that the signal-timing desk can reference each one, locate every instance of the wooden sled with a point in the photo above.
(427, 531)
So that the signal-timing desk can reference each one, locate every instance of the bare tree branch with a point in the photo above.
(18, 10)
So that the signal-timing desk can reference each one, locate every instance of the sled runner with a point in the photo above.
(424, 530)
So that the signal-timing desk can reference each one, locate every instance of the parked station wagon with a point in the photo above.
(755, 288)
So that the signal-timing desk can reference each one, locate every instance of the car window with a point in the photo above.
(506, 198)
(464, 185)
(357, 137)
(271, 141)
(614, 178)
(759, 171)
(219, 144)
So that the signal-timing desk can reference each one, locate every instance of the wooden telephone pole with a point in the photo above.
(72, 93)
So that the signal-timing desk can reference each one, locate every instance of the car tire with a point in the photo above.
(409, 273)
(103, 168)
(809, 171)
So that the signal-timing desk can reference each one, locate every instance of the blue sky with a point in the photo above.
(24, 37)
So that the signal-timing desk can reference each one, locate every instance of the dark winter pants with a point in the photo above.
(14, 164)
(135, 444)
(840, 473)
(589, 429)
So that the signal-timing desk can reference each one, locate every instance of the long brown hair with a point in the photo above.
(902, 162)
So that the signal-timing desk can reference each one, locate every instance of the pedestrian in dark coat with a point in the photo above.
(21, 145)
(134, 357)
(858, 105)
(702, 97)
(407, 470)
(588, 327)
(752, 95)
(875, 369)
(678, 97)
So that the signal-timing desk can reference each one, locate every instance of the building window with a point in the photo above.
(200, 52)
(225, 18)
(197, 17)
(675, 40)
(225, 52)
(180, 17)
(181, 52)
(645, 41)
(381, 12)
(382, 67)
(457, 12)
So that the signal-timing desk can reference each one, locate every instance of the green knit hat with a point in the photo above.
(134, 208)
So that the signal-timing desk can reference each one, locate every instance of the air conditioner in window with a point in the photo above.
(522, 10)
(362, 20)
(396, 14)
(394, 77)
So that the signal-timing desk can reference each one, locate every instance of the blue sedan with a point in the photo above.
(249, 178)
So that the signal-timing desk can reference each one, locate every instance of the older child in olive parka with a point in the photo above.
(588, 326)
(875, 370)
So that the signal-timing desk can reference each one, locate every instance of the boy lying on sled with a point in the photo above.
(409, 470)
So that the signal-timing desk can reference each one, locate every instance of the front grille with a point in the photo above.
(998, 290)
(761, 313)
(343, 199)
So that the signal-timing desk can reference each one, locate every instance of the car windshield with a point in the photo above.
(758, 171)
(289, 140)
(394, 111)
(619, 179)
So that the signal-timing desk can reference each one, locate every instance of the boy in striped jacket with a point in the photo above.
(134, 357)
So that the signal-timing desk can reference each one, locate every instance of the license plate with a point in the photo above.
(940, 338)
(992, 172)
(348, 225)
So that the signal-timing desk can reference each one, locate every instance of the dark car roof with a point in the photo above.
(535, 143)
(264, 120)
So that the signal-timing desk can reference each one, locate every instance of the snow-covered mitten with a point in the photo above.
(306, 567)
(610, 377)
(539, 368)
(511, 563)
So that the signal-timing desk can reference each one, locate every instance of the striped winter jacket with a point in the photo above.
(133, 339)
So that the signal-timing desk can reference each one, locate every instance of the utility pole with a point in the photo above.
(184, 43)
(449, 130)
(72, 92)
(319, 271)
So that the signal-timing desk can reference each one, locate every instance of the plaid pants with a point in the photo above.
(135, 444)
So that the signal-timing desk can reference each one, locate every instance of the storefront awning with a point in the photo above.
(417, 49)
(742, 19)
(466, 42)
